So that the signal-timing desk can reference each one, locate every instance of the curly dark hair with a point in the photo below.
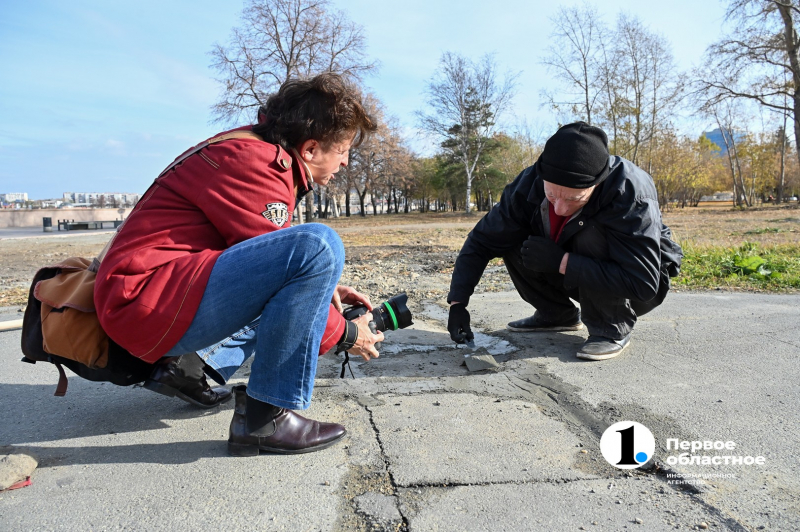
(325, 108)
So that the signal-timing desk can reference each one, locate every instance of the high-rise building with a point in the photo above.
(13, 197)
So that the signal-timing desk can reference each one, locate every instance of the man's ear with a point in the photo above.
(308, 149)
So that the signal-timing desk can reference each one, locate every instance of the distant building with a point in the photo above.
(719, 136)
(14, 197)
(718, 196)
(101, 199)
(50, 203)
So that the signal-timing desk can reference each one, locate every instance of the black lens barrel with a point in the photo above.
(389, 315)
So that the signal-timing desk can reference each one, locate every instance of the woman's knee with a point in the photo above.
(332, 248)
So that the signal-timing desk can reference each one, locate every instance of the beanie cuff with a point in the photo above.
(568, 179)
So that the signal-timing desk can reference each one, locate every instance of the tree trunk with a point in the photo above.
(309, 199)
(793, 51)
(361, 201)
(347, 203)
(782, 177)
(469, 193)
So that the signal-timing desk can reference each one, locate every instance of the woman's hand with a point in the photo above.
(365, 344)
(348, 296)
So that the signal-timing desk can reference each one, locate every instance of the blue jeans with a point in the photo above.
(269, 297)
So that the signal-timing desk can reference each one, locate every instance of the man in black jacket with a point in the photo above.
(577, 224)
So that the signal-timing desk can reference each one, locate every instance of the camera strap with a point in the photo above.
(349, 339)
(346, 363)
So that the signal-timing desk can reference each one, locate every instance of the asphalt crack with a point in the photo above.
(387, 464)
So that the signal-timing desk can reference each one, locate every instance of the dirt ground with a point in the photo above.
(387, 254)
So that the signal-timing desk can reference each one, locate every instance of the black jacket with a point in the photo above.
(624, 208)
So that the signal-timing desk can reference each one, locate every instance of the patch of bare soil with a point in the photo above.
(415, 253)
(728, 227)
(20, 258)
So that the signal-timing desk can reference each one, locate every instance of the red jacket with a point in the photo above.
(151, 281)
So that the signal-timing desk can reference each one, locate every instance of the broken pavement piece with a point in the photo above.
(382, 508)
(15, 468)
(480, 360)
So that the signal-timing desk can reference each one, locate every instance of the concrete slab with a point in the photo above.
(440, 439)
(594, 505)
(703, 366)
(125, 458)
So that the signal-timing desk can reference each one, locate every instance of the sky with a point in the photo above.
(99, 96)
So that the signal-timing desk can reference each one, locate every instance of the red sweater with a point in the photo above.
(153, 278)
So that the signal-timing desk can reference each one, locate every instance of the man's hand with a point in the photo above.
(348, 296)
(365, 344)
(541, 254)
(458, 324)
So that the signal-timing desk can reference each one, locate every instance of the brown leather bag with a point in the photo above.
(70, 327)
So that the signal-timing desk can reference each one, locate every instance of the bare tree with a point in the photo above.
(466, 100)
(279, 40)
(648, 87)
(623, 78)
(726, 113)
(759, 60)
(575, 57)
(368, 159)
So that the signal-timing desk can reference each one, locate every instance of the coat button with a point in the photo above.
(285, 163)
(580, 223)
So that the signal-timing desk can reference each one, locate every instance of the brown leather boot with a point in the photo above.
(285, 433)
(183, 377)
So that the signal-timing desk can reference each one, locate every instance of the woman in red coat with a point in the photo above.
(208, 263)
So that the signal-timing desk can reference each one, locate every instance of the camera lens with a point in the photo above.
(389, 315)
(397, 309)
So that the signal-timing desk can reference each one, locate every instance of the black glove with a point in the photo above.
(458, 324)
(541, 254)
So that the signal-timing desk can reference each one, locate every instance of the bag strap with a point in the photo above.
(241, 134)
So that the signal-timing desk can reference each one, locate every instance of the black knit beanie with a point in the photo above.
(576, 156)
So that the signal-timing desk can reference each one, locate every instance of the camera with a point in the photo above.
(390, 315)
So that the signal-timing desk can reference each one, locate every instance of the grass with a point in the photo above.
(748, 266)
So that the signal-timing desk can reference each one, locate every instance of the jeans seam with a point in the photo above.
(241, 332)
(333, 261)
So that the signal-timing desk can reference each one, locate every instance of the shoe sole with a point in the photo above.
(605, 356)
(560, 328)
(169, 391)
(241, 449)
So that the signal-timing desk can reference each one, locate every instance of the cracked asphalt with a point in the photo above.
(431, 446)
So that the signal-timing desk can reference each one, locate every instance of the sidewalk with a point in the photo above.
(434, 447)
(28, 232)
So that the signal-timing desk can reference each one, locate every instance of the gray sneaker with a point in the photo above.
(602, 348)
(535, 323)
